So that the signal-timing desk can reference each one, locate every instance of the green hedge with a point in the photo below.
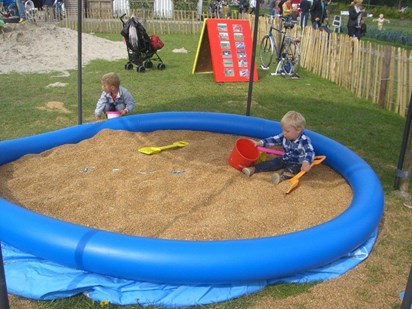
(141, 4)
(397, 37)
(188, 5)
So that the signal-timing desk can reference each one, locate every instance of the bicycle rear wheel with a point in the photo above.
(267, 49)
(291, 58)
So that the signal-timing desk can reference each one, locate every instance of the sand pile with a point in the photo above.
(29, 48)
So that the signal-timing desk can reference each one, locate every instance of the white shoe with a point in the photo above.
(248, 171)
(275, 178)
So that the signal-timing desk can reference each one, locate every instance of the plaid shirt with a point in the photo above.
(296, 151)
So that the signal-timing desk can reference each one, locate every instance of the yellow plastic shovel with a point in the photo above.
(294, 182)
(154, 150)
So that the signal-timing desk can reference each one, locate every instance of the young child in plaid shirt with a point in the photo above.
(297, 146)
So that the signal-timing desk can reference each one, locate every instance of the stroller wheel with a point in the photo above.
(140, 69)
(128, 66)
(148, 64)
(161, 66)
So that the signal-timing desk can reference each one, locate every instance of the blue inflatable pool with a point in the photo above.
(193, 262)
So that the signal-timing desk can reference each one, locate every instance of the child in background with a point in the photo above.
(114, 97)
(297, 146)
(381, 20)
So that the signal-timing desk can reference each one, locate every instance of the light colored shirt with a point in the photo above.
(123, 97)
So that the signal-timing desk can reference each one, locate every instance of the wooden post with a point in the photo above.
(384, 76)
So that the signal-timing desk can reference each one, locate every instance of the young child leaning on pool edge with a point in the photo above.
(113, 97)
(297, 146)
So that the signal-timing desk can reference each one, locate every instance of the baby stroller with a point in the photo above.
(11, 15)
(141, 49)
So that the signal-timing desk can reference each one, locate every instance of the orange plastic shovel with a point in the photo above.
(294, 182)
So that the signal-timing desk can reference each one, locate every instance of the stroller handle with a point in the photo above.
(121, 18)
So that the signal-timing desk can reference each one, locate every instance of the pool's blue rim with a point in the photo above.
(193, 262)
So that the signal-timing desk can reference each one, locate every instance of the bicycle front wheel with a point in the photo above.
(266, 52)
(291, 58)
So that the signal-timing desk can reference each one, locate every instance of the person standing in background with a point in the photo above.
(381, 20)
(318, 13)
(355, 19)
(287, 10)
(304, 12)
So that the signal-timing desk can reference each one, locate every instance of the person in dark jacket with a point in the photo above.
(304, 12)
(318, 13)
(355, 19)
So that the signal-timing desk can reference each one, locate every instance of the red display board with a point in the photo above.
(230, 50)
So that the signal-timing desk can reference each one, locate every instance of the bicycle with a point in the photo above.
(284, 47)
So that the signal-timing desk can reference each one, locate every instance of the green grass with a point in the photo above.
(374, 134)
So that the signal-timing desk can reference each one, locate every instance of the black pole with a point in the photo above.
(4, 299)
(79, 61)
(407, 298)
(252, 63)
(399, 172)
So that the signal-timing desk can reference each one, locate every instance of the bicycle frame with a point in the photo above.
(279, 48)
(285, 49)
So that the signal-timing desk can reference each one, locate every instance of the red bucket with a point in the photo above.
(244, 154)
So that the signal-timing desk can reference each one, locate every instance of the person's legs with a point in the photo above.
(20, 9)
(304, 20)
(120, 107)
(291, 170)
(266, 166)
(358, 33)
(49, 13)
(351, 31)
(271, 12)
(108, 107)
(288, 172)
(326, 29)
(270, 165)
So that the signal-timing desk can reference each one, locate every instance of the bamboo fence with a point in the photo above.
(380, 73)
(103, 21)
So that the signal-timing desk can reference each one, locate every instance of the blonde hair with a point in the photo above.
(111, 79)
(294, 119)
(357, 1)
